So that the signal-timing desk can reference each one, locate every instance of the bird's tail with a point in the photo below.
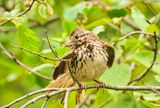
(63, 81)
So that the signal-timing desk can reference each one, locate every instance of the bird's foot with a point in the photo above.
(82, 86)
(101, 84)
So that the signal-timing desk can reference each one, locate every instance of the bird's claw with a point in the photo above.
(102, 85)
(82, 86)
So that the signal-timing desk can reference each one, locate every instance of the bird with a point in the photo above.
(87, 60)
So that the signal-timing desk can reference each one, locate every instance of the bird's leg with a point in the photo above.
(78, 96)
(81, 86)
(62, 100)
(101, 84)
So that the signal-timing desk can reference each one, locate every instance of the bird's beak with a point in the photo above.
(68, 43)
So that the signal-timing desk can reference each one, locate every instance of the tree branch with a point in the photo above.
(148, 5)
(45, 102)
(28, 95)
(56, 91)
(22, 64)
(66, 98)
(150, 67)
(130, 34)
(131, 24)
(19, 15)
(39, 54)
(54, 53)
(32, 25)
(155, 91)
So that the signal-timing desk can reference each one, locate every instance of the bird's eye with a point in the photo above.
(76, 37)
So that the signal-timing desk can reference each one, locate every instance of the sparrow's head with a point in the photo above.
(81, 36)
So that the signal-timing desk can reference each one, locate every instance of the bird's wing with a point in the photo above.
(110, 52)
(62, 65)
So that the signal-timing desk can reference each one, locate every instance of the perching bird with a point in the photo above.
(88, 59)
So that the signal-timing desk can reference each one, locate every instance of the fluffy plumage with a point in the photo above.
(88, 58)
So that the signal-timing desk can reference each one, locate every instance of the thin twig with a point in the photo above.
(130, 34)
(32, 101)
(48, 22)
(37, 54)
(131, 24)
(22, 64)
(66, 99)
(62, 90)
(19, 15)
(114, 26)
(83, 101)
(148, 5)
(154, 19)
(54, 53)
(150, 67)
(29, 95)
(155, 91)
(32, 25)
(45, 103)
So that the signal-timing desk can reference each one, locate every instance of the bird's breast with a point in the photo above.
(91, 63)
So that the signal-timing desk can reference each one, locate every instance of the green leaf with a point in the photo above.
(139, 18)
(152, 28)
(17, 22)
(102, 95)
(49, 9)
(71, 100)
(69, 26)
(43, 11)
(119, 74)
(117, 21)
(98, 29)
(125, 101)
(28, 38)
(11, 14)
(157, 78)
(97, 23)
(11, 77)
(146, 60)
(61, 51)
(91, 13)
(150, 104)
(71, 13)
(148, 96)
(131, 45)
(58, 8)
(117, 13)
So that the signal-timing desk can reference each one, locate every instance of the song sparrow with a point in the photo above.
(87, 60)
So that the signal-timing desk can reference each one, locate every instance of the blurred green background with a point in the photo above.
(110, 19)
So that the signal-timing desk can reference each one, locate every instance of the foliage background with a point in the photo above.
(108, 18)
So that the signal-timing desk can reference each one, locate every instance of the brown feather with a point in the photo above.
(111, 55)
(61, 67)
